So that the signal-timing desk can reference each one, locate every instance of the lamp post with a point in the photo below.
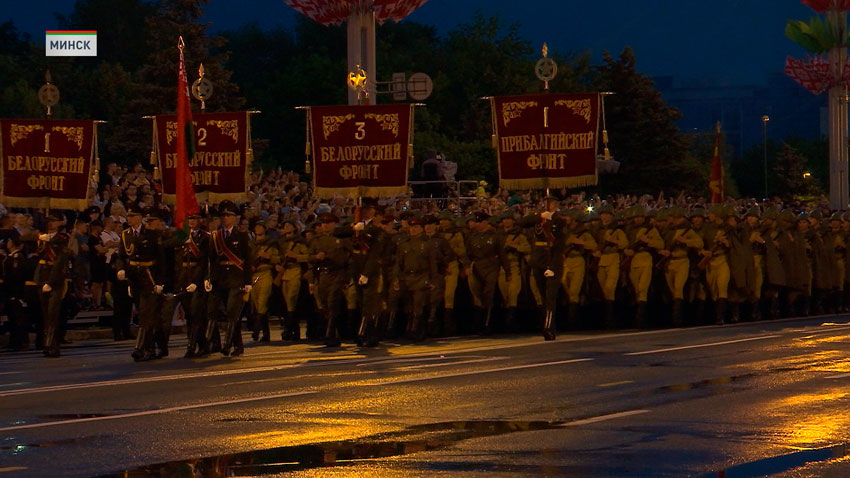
(764, 120)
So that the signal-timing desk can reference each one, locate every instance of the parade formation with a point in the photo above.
(545, 265)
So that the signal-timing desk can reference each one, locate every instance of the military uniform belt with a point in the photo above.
(141, 263)
(31, 282)
(541, 243)
(189, 263)
(357, 252)
(49, 263)
(574, 254)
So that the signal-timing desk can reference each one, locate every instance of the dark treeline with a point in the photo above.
(276, 70)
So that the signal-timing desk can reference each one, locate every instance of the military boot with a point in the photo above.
(676, 313)
(640, 316)
(610, 318)
(755, 310)
(549, 325)
(573, 322)
(433, 323)
(510, 320)
(331, 337)
(486, 327)
(449, 326)
(720, 312)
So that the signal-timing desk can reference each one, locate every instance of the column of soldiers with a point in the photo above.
(381, 275)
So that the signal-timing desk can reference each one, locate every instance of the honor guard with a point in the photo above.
(545, 233)
(230, 277)
(52, 276)
(140, 264)
(193, 266)
(369, 280)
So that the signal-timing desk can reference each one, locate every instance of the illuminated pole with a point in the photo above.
(764, 120)
(838, 187)
(361, 47)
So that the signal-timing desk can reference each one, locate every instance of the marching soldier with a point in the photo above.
(368, 239)
(230, 278)
(140, 264)
(577, 244)
(643, 242)
(443, 255)
(774, 273)
(715, 261)
(293, 255)
(484, 259)
(329, 255)
(52, 278)
(414, 267)
(193, 264)
(611, 240)
(515, 249)
(545, 240)
(679, 240)
(16, 272)
(451, 233)
(759, 249)
(266, 257)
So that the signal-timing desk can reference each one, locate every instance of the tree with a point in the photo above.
(642, 129)
(791, 174)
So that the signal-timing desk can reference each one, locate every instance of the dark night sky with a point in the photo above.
(723, 41)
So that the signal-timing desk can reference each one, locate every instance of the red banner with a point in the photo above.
(547, 140)
(361, 150)
(221, 165)
(46, 163)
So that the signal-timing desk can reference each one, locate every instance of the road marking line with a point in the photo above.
(127, 381)
(840, 375)
(603, 418)
(477, 372)
(403, 360)
(158, 411)
(12, 468)
(431, 365)
(685, 347)
(614, 384)
(9, 373)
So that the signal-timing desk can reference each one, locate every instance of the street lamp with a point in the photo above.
(764, 120)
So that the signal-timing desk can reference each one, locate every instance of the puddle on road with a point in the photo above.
(782, 463)
(73, 416)
(413, 439)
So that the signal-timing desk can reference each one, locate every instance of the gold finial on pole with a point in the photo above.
(546, 69)
(48, 94)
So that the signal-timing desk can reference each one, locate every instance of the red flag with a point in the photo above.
(716, 184)
(187, 203)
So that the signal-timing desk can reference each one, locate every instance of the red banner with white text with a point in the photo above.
(361, 150)
(546, 140)
(46, 163)
(221, 165)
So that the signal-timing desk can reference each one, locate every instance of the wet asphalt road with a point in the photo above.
(750, 400)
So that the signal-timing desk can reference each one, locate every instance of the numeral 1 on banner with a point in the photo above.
(545, 116)
(361, 130)
(46, 142)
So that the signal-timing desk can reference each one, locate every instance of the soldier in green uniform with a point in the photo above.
(484, 259)
(141, 264)
(443, 254)
(293, 256)
(774, 272)
(741, 264)
(414, 267)
(329, 256)
(230, 277)
(265, 257)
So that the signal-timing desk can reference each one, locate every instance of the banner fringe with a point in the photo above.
(543, 183)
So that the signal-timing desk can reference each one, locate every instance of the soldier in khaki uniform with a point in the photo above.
(759, 249)
(515, 249)
(414, 267)
(611, 240)
(451, 233)
(679, 241)
(293, 255)
(644, 240)
(265, 257)
(715, 260)
(578, 243)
